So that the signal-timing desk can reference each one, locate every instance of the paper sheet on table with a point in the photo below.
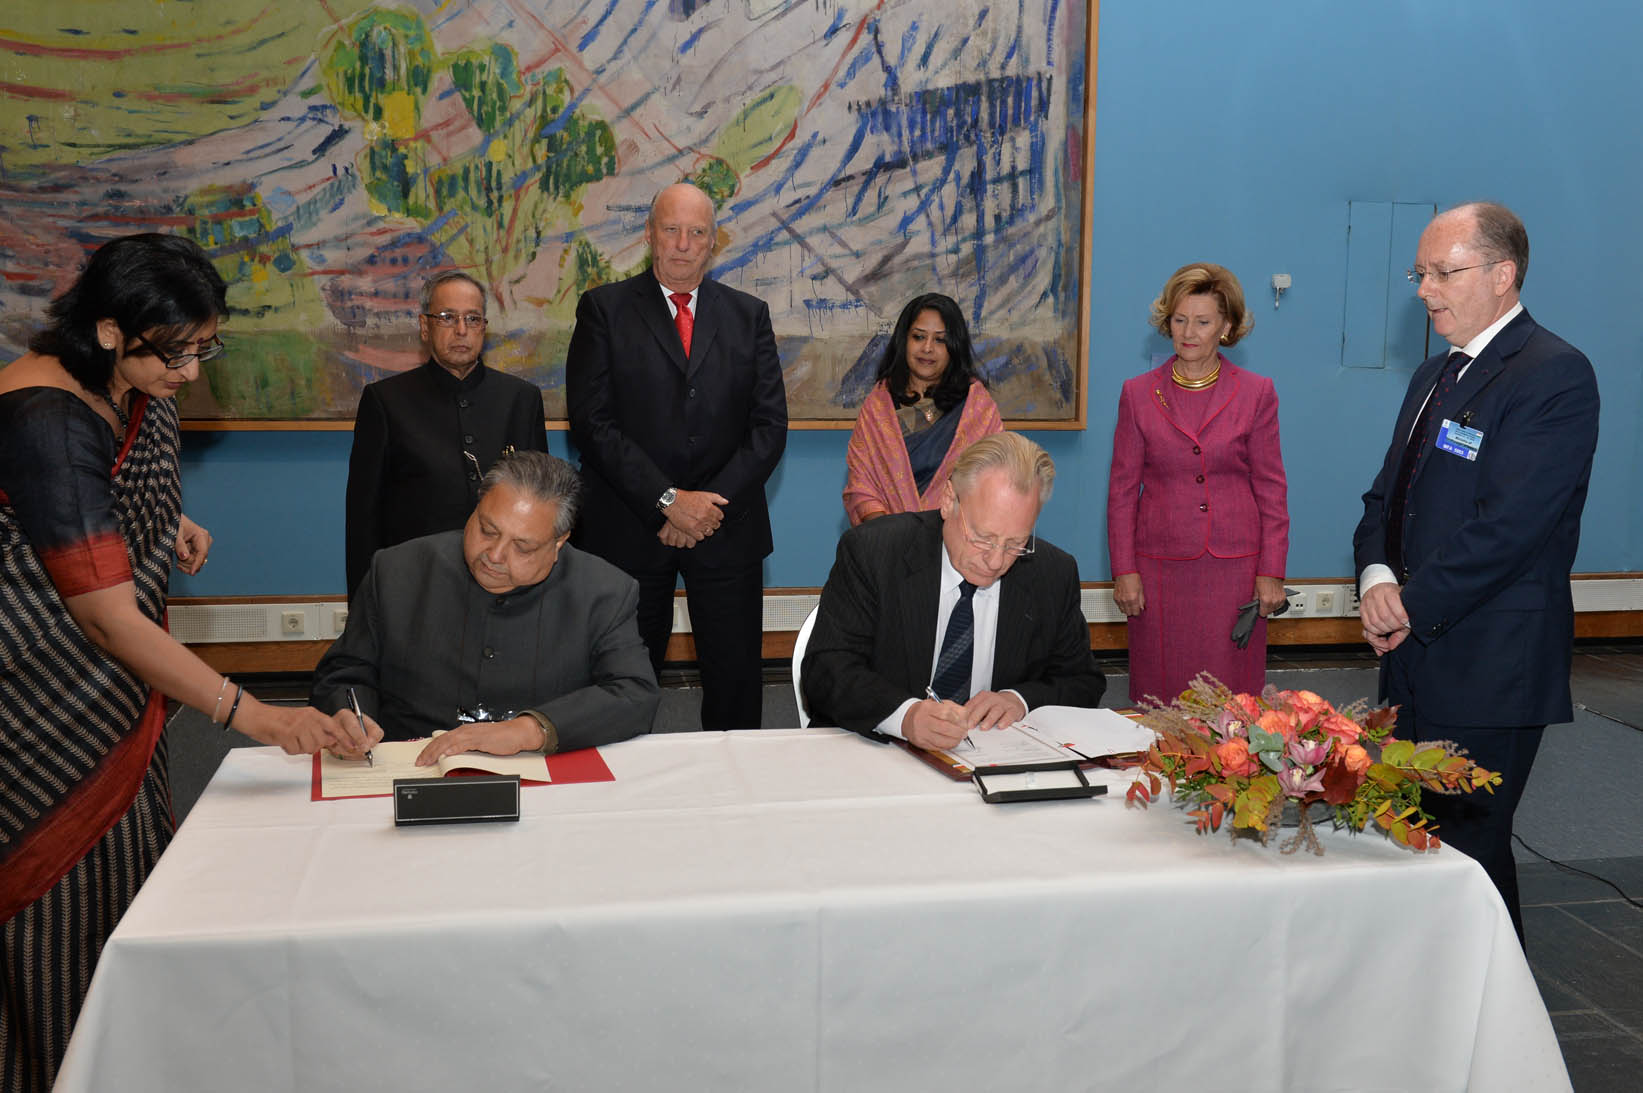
(397, 759)
(1004, 746)
(1090, 733)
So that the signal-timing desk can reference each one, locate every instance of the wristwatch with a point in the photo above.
(669, 495)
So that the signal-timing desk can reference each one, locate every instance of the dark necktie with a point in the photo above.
(1413, 452)
(683, 320)
(952, 678)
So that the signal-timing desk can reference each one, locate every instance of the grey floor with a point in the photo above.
(1585, 940)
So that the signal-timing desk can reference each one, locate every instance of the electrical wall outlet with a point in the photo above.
(339, 621)
(1299, 605)
(1349, 606)
(1323, 602)
(293, 622)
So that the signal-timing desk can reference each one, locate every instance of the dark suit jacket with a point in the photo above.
(875, 634)
(424, 639)
(1489, 544)
(407, 476)
(645, 418)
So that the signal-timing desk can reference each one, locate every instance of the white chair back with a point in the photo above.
(798, 661)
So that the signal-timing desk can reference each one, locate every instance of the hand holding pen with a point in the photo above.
(935, 724)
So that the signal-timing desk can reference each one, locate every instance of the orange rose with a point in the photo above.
(1234, 756)
(1244, 707)
(1355, 758)
(1341, 727)
(1281, 722)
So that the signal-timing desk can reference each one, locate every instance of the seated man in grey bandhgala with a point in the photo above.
(502, 632)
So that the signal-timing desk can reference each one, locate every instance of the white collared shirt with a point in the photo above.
(1376, 573)
(672, 309)
(984, 605)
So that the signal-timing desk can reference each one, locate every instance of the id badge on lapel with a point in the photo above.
(1457, 439)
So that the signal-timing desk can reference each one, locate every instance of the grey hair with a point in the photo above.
(542, 477)
(1024, 462)
(445, 276)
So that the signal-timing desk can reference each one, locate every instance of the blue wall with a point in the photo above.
(1235, 133)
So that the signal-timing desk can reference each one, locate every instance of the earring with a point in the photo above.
(1223, 339)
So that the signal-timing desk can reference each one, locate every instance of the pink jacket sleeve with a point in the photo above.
(1124, 486)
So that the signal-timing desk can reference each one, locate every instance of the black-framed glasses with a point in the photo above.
(206, 350)
(1416, 275)
(451, 318)
(988, 546)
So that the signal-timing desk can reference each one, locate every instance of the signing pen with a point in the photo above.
(353, 701)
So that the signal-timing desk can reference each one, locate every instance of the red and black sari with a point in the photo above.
(85, 806)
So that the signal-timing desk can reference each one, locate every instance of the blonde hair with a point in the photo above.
(1024, 462)
(1204, 279)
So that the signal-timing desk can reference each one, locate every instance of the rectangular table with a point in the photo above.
(794, 909)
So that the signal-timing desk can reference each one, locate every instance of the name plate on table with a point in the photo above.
(482, 799)
(1034, 782)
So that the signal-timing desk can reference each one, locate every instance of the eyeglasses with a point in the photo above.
(205, 351)
(990, 546)
(451, 318)
(1416, 275)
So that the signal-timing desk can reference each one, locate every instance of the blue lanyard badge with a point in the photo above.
(1459, 440)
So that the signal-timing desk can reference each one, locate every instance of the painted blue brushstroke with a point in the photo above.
(837, 25)
(1051, 13)
(1015, 39)
(598, 25)
(924, 58)
(688, 43)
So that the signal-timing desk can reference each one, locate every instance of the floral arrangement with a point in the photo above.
(1249, 756)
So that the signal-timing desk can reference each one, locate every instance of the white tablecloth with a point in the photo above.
(794, 910)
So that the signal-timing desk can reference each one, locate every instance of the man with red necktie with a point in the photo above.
(677, 404)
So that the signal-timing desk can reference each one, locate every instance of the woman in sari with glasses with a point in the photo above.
(927, 406)
(90, 521)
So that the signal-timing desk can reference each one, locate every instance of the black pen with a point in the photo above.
(353, 701)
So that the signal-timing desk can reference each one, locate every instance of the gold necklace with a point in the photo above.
(1195, 385)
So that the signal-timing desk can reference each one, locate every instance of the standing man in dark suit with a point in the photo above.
(965, 603)
(424, 438)
(677, 404)
(1469, 531)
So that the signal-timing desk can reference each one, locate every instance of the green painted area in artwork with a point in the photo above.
(268, 286)
(267, 374)
(487, 80)
(493, 203)
(755, 132)
(97, 76)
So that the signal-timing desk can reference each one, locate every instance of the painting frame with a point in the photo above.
(1068, 410)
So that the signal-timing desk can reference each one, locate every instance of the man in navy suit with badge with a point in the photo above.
(1470, 529)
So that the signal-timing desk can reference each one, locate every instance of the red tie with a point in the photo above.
(682, 319)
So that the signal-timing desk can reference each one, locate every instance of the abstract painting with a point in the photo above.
(331, 154)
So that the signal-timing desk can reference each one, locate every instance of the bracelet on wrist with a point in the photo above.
(218, 707)
(228, 722)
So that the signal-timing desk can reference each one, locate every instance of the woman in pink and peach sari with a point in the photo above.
(927, 406)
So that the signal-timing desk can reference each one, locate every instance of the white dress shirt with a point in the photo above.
(984, 604)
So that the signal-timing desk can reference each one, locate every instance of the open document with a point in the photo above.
(397, 759)
(1051, 733)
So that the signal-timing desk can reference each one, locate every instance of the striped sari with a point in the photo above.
(84, 800)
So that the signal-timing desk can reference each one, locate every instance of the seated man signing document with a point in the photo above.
(500, 632)
(935, 623)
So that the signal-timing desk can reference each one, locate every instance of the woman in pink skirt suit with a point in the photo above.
(1197, 507)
